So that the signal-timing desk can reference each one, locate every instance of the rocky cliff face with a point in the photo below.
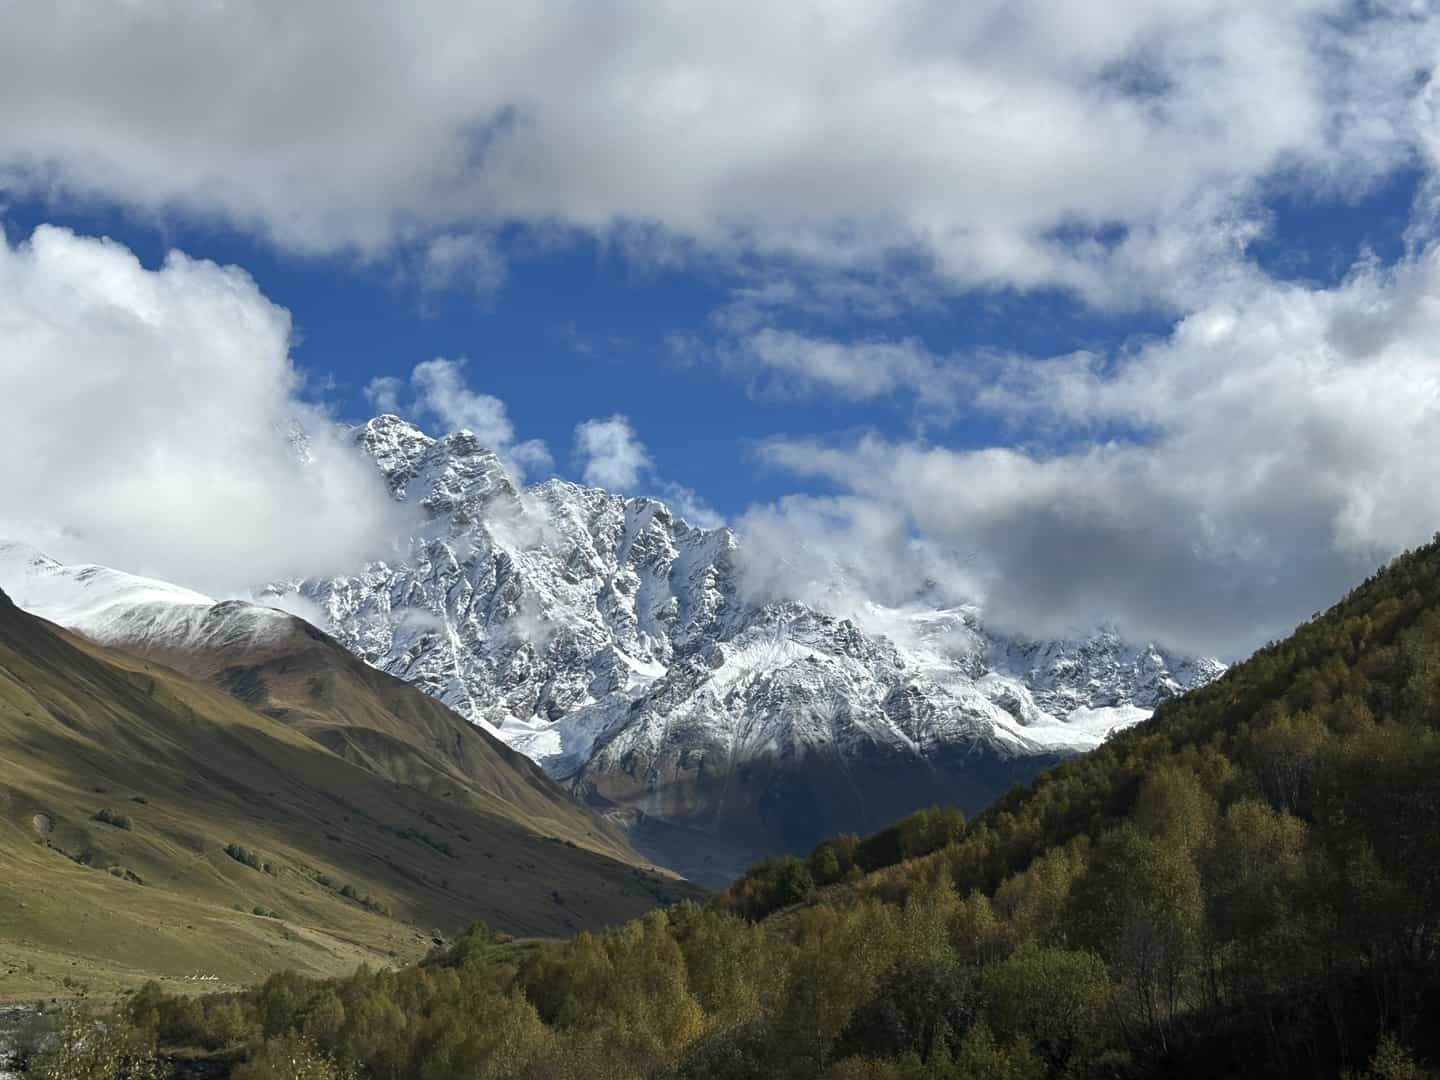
(614, 644)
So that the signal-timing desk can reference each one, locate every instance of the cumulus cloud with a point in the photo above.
(437, 390)
(610, 454)
(384, 393)
(847, 554)
(441, 391)
(856, 370)
(1212, 488)
(1117, 149)
(690, 505)
(156, 420)
(461, 260)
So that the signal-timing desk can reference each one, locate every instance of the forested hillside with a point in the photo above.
(1246, 885)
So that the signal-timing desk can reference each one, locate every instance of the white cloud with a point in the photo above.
(610, 454)
(690, 506)
(1120, 149)
(1211, 488)
(440, 393)
(462, 260)
(857, 370)
(384, 392)
(764, 293)
(846, 553)
(149, 419)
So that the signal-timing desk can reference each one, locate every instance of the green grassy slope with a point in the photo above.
(361, 864)
(310, 682)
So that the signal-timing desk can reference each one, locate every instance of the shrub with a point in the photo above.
(369, 903)
(243, 855)
(292, 1057)
(113, 817)
(1392, 1061)
(226, 1024)
(87, 1048)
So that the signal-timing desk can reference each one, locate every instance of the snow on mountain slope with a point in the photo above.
(614, 643)
(610, 641)
(124, 610)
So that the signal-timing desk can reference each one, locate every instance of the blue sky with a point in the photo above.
(582, 331)
(1124, 317)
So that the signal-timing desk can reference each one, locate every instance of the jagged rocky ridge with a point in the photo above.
(615, 644)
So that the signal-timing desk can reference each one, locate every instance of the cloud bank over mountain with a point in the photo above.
(1203, 489)
(1208, 488)
(1242, 448)
(153, 419)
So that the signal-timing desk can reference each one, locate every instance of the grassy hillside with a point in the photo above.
(312, 683)
(154, 825)
(1246, 885)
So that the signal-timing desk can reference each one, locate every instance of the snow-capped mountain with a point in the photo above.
(617, 646)
(132, 612)
(614, 643)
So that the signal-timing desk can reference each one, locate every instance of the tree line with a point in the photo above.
(1248, 884)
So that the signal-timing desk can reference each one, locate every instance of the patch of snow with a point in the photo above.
(600, 634)
(128, 611)
(605, 636)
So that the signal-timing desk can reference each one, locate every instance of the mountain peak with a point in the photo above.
(618, 646)
(621, 649)
(465, 443)
(451, 475)
(389, 422)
